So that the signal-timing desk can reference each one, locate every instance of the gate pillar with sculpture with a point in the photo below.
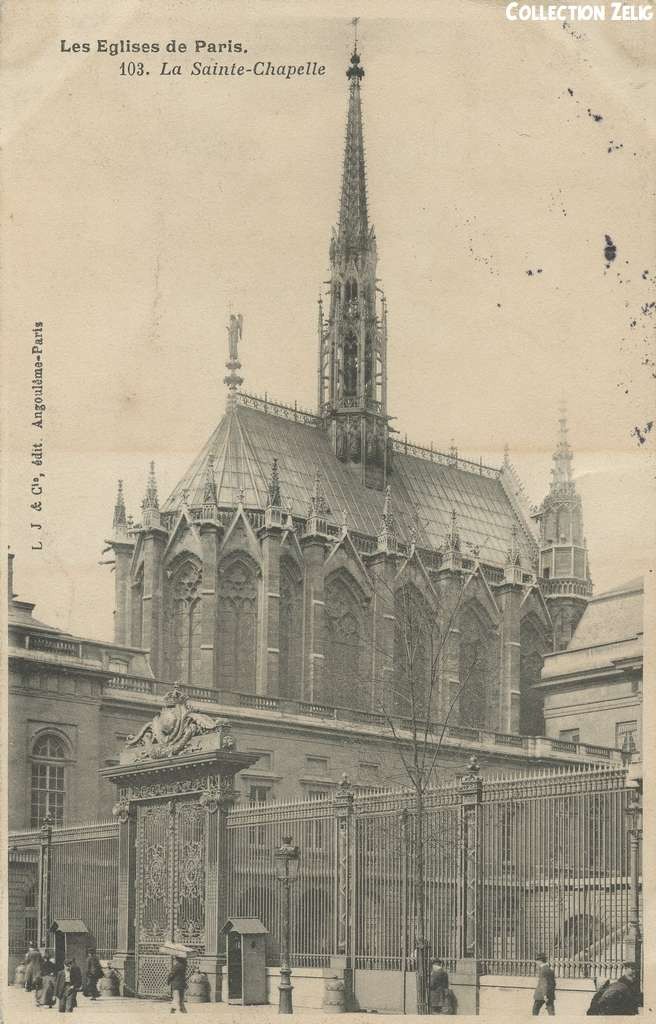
(175, 787)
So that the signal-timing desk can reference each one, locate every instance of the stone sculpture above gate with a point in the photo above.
(173, 728)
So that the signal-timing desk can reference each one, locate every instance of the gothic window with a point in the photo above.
(350, 366)
(183, 622)
(137, 609)
(290, 625)
(533, 647)
(475, 665)
(48, 780)
(351, 290)
(237, 622)
(345, 647)
(415, 652)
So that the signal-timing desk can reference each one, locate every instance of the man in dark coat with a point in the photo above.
(67, 985)
(177, 979)
(621, 998)
(545, 989)
(94, 973)
(438, 988)
(45, 991)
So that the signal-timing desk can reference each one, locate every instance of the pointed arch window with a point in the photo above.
(290, 625)
(237, 625)
(476, 671)
(533, 646)
(48, 790)
(183, 621)
(346, 641)
(416, 647)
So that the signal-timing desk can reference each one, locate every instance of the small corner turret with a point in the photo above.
(563, 571)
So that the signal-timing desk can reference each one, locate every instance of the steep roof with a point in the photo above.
(610, 617)
(247, 440)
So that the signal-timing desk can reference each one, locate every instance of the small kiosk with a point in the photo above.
(246, 960)
(71, 939)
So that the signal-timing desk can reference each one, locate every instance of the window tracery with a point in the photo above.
(183, 621)
(533, 647)
(237, 625)
(345, 644)
(290, 626)
(416, 646)
(477, 676)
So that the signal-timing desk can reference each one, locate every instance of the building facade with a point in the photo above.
(592, 690)
(279, 563)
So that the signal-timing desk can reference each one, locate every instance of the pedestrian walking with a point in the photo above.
(545, 989)
(93, 976)
(621, 998)
(438, 988)
(32, 967)
(45, 994)
(67, 985)
(177, 979)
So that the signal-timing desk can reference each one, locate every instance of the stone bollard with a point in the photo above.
(198, 990)
(19, 976)
(109, 984)
(333, 996)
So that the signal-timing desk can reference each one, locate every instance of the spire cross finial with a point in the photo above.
(355, 34)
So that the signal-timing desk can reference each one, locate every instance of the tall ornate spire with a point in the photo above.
(352, 377)
(120, 514)
(353, 228)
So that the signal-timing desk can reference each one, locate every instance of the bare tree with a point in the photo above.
(410, 706)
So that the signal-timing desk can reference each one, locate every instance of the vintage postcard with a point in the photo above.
(328, 452)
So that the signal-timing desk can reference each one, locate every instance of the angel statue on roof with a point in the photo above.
(234, 329)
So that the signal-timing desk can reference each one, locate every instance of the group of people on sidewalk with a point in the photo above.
(612, 998)
(52, 986)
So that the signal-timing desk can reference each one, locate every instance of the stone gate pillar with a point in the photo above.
(465, 979)
(344, 909)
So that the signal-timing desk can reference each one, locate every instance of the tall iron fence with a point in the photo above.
(82, 879)
(535, 861)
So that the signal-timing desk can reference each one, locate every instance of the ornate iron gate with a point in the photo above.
(170, 875)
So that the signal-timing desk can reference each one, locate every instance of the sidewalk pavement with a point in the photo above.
(19, 1008)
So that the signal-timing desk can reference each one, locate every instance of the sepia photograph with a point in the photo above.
(328, 508)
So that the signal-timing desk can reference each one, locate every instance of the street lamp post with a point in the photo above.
(287, 862)
(46, 874)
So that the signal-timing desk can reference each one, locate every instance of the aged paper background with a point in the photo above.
(138, 210)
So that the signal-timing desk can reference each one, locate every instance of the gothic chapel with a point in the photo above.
(276, 564)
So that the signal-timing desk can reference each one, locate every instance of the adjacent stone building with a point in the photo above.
(592, 690)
